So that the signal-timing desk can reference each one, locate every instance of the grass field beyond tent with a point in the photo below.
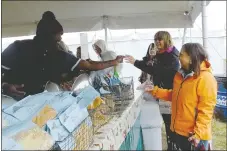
(218, 131)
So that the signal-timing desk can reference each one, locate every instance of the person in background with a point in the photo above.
(68, 79)
(163, 70)
(105, 54)
(101, 50)
(193, 99)
(27, 65)
(151, 141)
(151, 52)
(78, 52)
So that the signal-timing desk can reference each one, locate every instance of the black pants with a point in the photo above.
(167, 121)
(181, 142)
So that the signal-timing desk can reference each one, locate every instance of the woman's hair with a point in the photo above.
(166, 37)
(197, 54)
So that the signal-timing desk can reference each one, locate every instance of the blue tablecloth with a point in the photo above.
(134, 140)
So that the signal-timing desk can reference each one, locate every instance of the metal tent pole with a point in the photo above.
(204, 25)
(105, 25)
(183, 38)
(190, 34)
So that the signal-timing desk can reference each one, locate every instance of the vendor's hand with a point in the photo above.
(129, 59)
(66, 86)
(13, 90)
(195, 141)
(119, 59)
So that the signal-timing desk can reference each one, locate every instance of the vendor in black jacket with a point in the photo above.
(27, 65)
(163, 70)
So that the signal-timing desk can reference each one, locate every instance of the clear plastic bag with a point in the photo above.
(148, 84)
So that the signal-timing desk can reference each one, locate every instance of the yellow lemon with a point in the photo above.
(96, 103)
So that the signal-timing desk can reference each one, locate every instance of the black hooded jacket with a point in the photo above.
(163, 69)
(34, 62)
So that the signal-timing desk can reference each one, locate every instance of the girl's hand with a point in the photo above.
(195, 141)
(149, 88)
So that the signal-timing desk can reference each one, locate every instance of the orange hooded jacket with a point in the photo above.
(193, 101)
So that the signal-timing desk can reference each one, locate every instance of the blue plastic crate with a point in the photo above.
(221, 106)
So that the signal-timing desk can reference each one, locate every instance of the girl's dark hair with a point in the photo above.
(78, 48)
(197, 54)
(152, 46)
(143, 76)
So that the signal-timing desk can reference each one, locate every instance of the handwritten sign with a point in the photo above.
(73, 116)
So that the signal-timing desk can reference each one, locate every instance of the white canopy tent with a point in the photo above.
(19, 18)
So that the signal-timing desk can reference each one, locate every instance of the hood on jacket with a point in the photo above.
(204, 66)
(101, 44)
(106, 54)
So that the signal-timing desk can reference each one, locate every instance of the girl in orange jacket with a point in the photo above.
(193, 98)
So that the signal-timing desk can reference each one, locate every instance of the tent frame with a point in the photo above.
(204, 26)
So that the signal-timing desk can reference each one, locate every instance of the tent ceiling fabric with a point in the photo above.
(20, 17)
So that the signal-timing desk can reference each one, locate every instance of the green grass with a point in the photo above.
(218, 132)
(219, 135)
(164, 145)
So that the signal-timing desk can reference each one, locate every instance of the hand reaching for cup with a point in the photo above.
(130, 59)
(120, 58)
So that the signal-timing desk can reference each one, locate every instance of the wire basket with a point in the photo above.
(121, 94)
(101, 115)
(80, 139)
(55, 147)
